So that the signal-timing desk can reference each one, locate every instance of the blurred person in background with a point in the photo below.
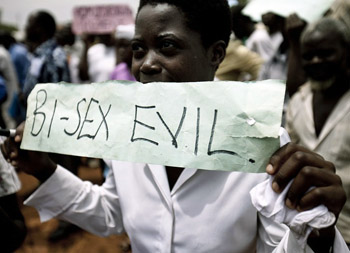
(124, 34)
(339, 10)
(318, 115)
(269, 41)
(48, 65)
(8, 72)
(260, 41)
(67, 40)
(98, 59)
(20, 59)
(275, 65)
(49, 62)
(240, 63)
(242, 26)
(3, 97)
(12, 225)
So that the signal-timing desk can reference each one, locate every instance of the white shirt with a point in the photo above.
(264, 44)
(267, 46)
(101, 62)
(206, 211)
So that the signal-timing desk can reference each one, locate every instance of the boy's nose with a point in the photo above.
(150, 65)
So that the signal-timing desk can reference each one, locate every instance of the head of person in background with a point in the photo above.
(6, 39)
(106, 39)
(276, 24)
(242, 26)
(40, 27)
(123, 52)
(180, 40)
(65, 36)
(326, 55)
(124, 34)
(273, 22)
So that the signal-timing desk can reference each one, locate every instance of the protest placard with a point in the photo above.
(100, 19)
(205, 125)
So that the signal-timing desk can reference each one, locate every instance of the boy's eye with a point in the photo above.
(167, 44)
(137, 49)
(168, 47)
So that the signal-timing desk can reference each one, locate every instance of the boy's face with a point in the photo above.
(166, 50)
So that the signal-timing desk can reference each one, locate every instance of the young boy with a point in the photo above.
(183, 209)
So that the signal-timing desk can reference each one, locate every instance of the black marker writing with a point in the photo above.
(212, 152)
(197, 131)
(79, 119)
(142, 124)
(104, 116)
(53, 114)
(86, 120)
(36, 112)
(174, 137)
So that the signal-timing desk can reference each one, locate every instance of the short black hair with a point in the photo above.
(6, 39)
(242, 25)
(46, 21)
(210, 18)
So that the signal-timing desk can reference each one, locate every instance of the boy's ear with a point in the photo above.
(217, 52)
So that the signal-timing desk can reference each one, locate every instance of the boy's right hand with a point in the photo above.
(34, 163)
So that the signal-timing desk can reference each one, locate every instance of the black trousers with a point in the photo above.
(12, 226)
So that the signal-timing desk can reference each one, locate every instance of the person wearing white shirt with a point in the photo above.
(170, 209)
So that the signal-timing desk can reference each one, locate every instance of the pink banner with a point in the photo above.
(100, 19)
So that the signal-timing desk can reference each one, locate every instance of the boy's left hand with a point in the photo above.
(308, 170)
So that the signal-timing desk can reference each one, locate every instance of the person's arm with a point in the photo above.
(67, 197)
(295, 74)
(309, 170)
(37, 164)
(12, 227)
(64, 195)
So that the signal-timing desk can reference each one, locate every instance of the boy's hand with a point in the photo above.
(308, 170)
(35, 163)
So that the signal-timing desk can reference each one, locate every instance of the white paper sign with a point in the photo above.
(205, 125)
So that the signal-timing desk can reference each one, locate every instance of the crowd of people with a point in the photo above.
(175, 41)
